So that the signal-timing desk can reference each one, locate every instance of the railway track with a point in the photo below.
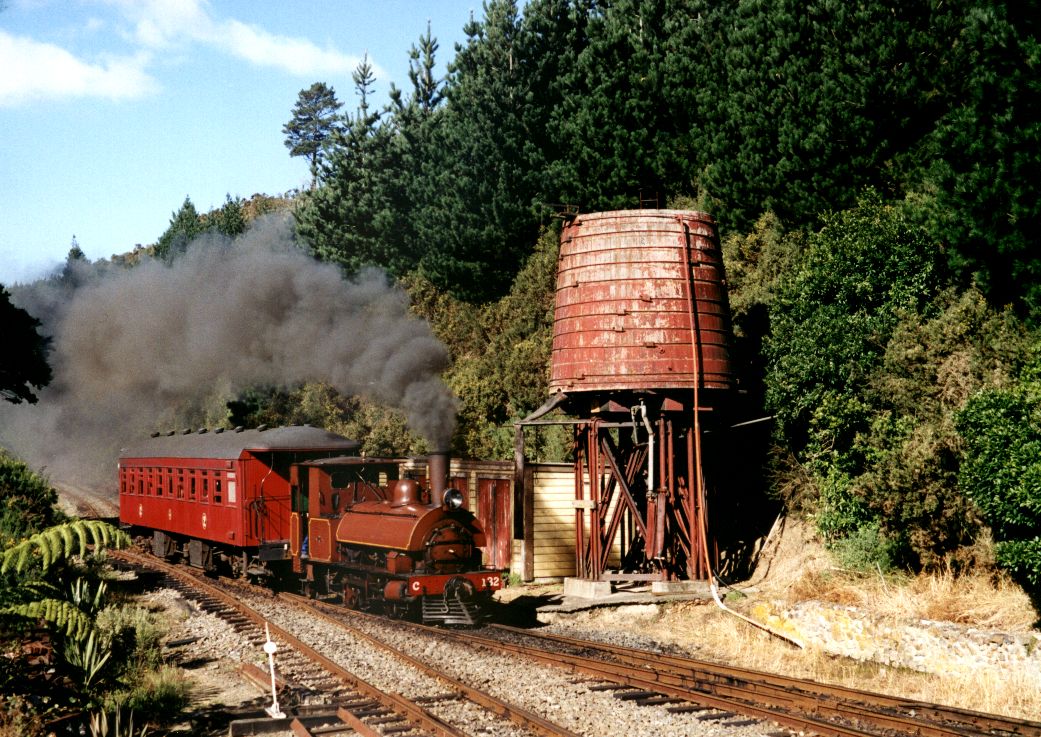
(685, 685)
(609, 677)
(356, 703)
(795, 703)
(888, 712)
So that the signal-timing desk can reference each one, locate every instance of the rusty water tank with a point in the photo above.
(629, 285)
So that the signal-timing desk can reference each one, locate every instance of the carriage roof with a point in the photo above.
(231, 444)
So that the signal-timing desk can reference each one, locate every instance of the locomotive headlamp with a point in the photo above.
(453, 499)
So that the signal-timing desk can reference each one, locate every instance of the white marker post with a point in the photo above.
(270, 648)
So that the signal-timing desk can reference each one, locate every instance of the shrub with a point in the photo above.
(27, 501)
(161, 694)
(865, 549)
(1001, 430)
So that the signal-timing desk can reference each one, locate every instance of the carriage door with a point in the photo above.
(494, 512)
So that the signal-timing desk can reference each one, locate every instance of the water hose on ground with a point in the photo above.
(699, 485)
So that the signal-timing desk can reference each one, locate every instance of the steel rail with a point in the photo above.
(636, 678)
(516, 714)
(702, 670)
(805, 711)
(414, 713)
(784, 711)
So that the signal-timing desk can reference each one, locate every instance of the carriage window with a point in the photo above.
(191, 488)
(217, 489)
(180, 483)
(205, 487)
(169, 482)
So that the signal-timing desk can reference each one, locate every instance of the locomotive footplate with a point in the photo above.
(455, 599)
(480, 581)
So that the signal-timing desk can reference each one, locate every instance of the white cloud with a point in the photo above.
(296, 56)
(160, 24)
(35, 70)
(40, 71)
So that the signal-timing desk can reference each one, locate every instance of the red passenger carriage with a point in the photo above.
(219, 497)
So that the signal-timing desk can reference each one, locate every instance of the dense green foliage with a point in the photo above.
(26, 500)
(52, 577)
(870, 353)
(1001, 429)
(187, 224)
(24, 365)
(788, 107)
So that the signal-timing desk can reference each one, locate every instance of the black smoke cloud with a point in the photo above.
(131, 345)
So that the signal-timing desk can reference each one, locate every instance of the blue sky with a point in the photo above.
(112, 111)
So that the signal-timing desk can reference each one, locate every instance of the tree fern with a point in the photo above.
(59, 542)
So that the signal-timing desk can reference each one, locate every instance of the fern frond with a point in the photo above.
(61, 615)
(58, 543)
(81, 533)
(66, 538)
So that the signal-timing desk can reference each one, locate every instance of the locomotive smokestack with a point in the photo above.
(437, 472)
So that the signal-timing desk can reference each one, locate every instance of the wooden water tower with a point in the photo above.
(641, 360)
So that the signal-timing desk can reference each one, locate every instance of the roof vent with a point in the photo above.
(238, 428)
(261, 428)
(186, 431)
(154, 435)
(170, 433)
(202, 431)
(218, 430)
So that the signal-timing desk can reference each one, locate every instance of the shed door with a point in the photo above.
(495, 513)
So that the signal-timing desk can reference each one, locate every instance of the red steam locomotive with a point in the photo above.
(298, 503)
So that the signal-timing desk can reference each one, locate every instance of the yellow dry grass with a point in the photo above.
(985, 601)
(709, 633)
(796, 568)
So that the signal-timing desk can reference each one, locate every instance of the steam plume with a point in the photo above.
(131, 345)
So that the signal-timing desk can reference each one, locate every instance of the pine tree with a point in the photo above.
(230, 220)
(185, 225)
(315, 119)
(354, 218)
(479, 224)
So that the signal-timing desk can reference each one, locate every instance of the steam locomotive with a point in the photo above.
(298, 504)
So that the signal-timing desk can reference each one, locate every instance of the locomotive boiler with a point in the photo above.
(294, 504)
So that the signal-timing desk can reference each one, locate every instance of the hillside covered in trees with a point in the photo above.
(873, 167)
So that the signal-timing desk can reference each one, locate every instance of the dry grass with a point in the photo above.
(984, 601)
(711, 634)
(795, 568)
(802, 571)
